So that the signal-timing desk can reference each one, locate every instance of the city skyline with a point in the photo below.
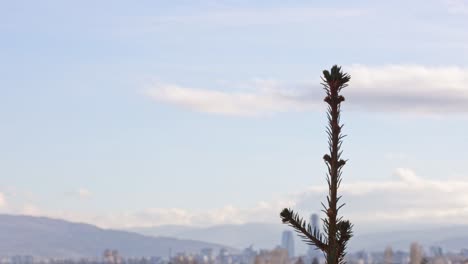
(28, 240)
(211, 113)
(287, 242)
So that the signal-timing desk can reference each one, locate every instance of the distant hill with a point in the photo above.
(39, 236)
(264, 235)
(260, 235)
(450, 238)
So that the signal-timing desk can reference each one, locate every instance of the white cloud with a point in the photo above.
(266, 97)
(83, 193)
(410, 89)
(229, 214)
(408, 198)
(405, 198)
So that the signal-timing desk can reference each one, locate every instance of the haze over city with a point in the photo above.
(210, 113)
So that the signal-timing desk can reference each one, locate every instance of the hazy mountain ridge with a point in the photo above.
(46, 237)
(261, 235)
(40, 236)
(266, 235)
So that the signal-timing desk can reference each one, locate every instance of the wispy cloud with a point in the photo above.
(265, 97)
(409, 88)
(413, 89)
(406, 198)
(229, 214)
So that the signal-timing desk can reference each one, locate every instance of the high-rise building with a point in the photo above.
(365, 257)
(315, 221)
(224, 256)
(248, 255)
(416, 253)
(313, 252)
(436, 251)
(287, 242)
(388, 255)
(276, 256)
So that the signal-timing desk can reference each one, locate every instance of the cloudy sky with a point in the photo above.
(211, 112)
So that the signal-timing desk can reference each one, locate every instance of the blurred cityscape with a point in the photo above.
(280, 255)
(284, 253)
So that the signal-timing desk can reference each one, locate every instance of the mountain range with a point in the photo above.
(45, 237)
(264, 235)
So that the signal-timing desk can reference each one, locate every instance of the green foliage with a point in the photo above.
(337, 231)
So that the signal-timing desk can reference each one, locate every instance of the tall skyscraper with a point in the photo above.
(416, 253)
(287, 242)
(388, 255)
(315, 221)
(315, 224)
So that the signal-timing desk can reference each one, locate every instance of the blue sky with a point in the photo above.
(210, 112)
